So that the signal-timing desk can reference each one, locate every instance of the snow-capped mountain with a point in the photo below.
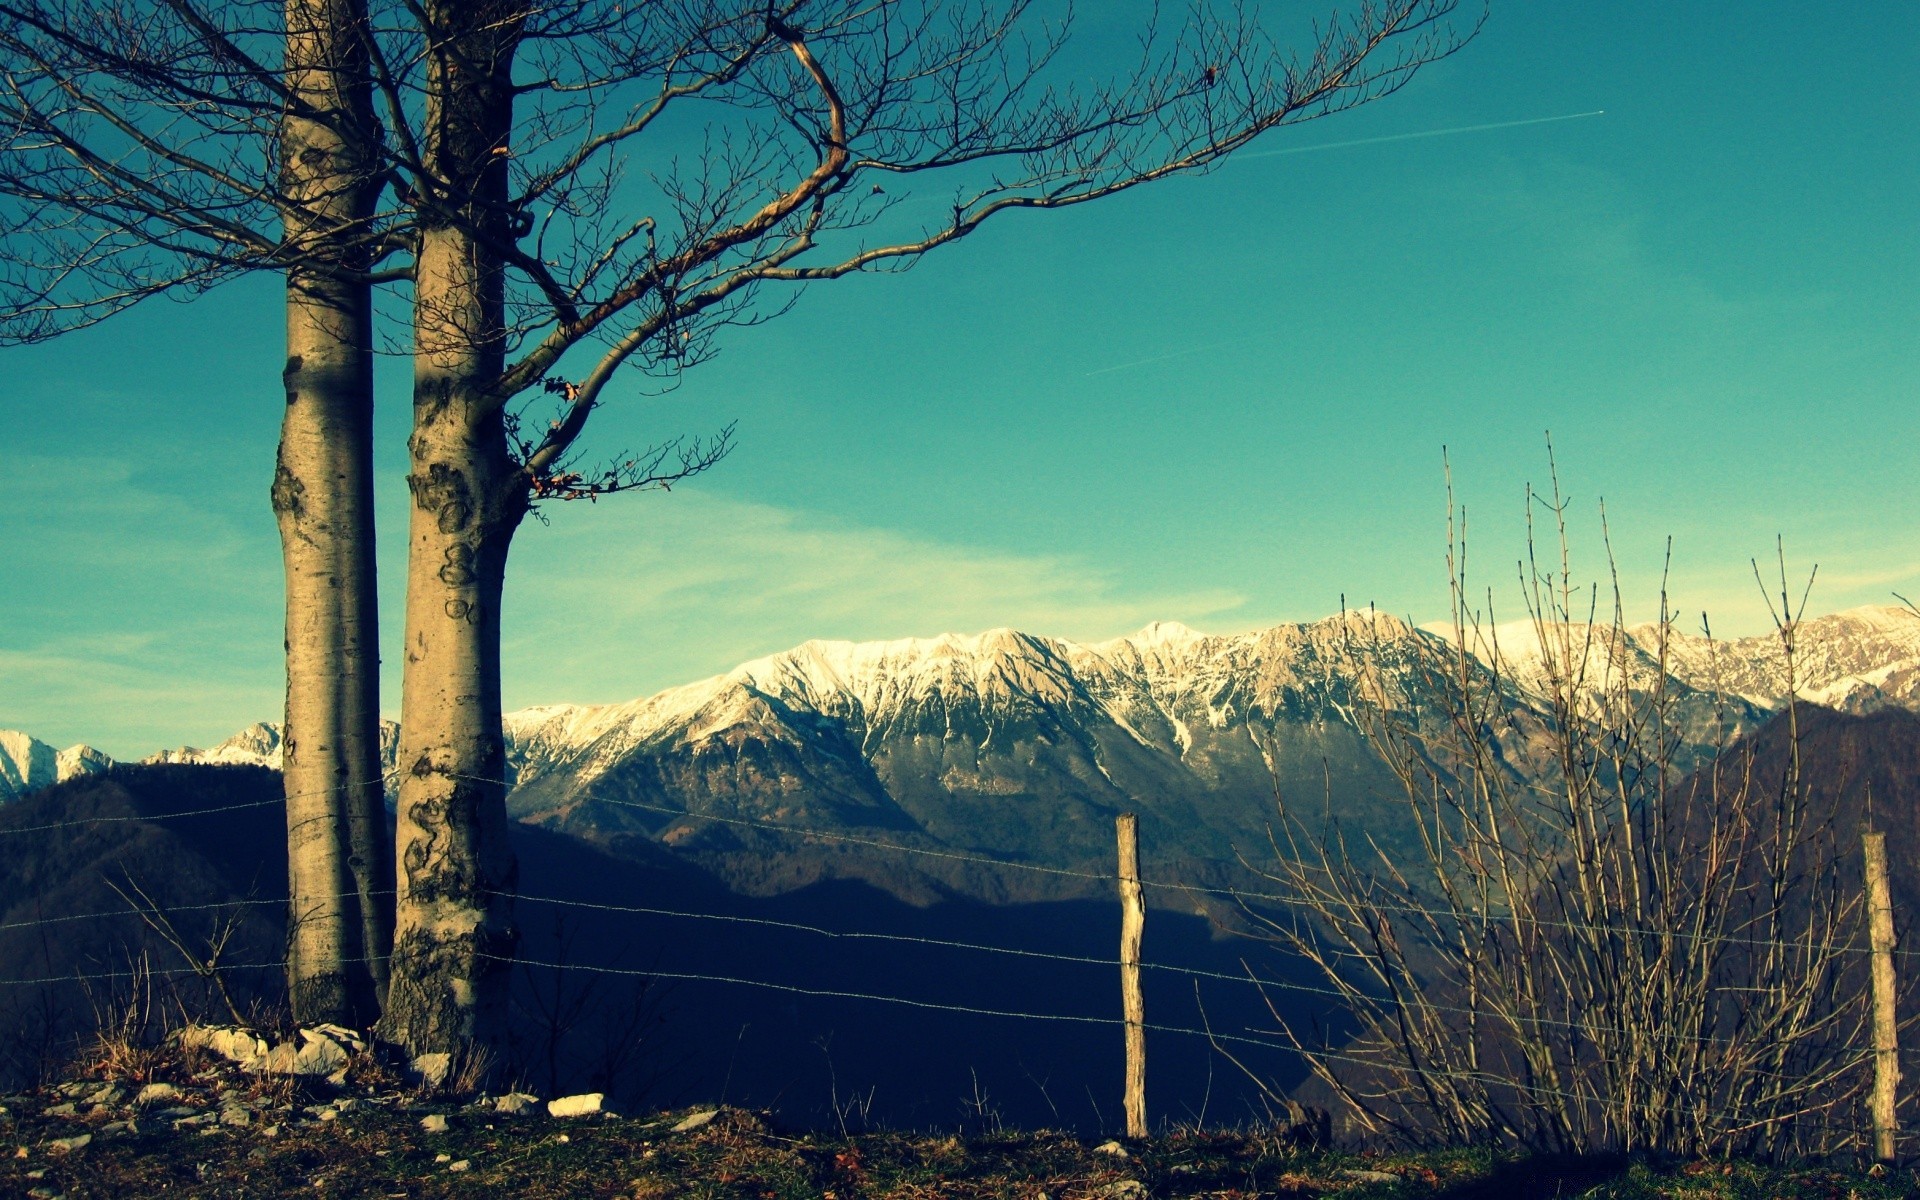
(1023, 746)
(258, 745)
(1854, 661)
(1003, 742)
(28, 764)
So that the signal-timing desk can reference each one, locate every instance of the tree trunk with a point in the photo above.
(339, 869)
(454, 936)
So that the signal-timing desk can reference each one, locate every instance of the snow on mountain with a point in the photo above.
(28, 764)
(79, 760)
(258, 745)
(1151, 685)
(1855, 661)
(979, 714)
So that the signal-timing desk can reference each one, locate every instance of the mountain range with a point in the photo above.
(1007, 745)
(28, 764)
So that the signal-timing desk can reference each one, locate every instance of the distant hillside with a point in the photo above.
(63, 849)
(614, 918)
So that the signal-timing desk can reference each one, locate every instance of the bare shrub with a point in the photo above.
(1600, 943)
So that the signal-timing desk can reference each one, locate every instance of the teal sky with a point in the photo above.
(1221, 400)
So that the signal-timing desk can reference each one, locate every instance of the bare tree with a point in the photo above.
(784, 141)
(1598, 945)
(162, 149)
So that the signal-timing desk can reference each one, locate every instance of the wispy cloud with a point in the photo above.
(613, 603)
(131, 617)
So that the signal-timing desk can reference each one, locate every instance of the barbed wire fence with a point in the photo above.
(1224, 1041)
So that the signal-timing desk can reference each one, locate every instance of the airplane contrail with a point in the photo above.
(1174, 354)
(1425, 133)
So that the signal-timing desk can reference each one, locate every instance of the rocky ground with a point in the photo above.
(225, 1113)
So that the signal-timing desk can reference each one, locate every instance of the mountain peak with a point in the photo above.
(28, 764)
(1166, 633)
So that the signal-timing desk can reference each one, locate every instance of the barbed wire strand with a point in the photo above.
(1276, 1042)
(170, 909)
(1248, 978)
(195, 812)
(1237, 894)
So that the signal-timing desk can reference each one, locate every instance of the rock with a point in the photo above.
(694, 1121)
(443, 1158)
(515, 1104)
(236, 1045)
(197, 1121)
(432, 1069)
(61, 1110)
(434, 1123)
(105, 1095)
(174, 1113)
(342, 1036)
(1363, 1176)
(462, 1165)
(582, 1105)
(1123, 1189)
(317, 1054)
(155, 1093)
(235, 1115)
(67, 1145)
(1113, 1148)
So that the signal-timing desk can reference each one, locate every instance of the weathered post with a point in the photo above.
(1133, 920)
(1886, 1049)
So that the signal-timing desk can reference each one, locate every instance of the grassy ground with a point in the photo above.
(381, 1150)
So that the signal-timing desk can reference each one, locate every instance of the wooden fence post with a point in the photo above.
(1886, 1047)
(1133, 920)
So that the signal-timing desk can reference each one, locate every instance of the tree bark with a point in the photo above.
(339, 868)
(454, 936)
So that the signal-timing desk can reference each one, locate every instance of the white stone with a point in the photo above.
(237, 1045)
(68, 1145)
(696, 1120)
(342, 1035)
(155, 1093)
(434, 1122)
(585, 1104)
(515, 1104)
(432, 1068)
(317, 1054)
